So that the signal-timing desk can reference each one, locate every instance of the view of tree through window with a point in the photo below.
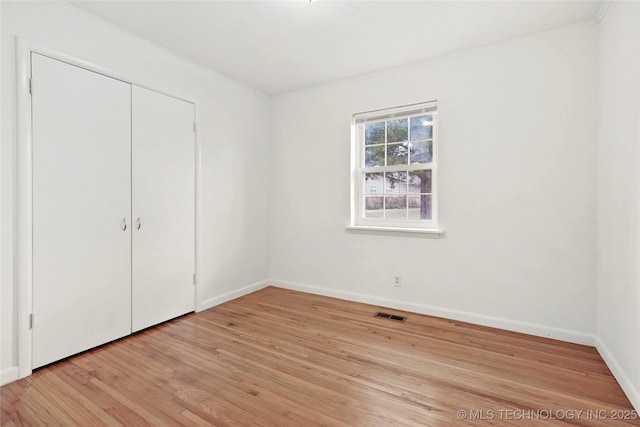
(394, 180)
(405, 192)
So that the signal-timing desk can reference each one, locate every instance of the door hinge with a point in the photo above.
(30, 86)
(31, 321)
(194, 278)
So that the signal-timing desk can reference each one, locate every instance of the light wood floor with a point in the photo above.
(284, 358)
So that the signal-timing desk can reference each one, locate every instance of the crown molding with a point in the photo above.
(602, 12)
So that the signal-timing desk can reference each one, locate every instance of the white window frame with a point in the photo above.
(358, 169)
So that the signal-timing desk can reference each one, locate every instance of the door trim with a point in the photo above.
(23, 237)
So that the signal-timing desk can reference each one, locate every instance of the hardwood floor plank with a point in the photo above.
(284, 358)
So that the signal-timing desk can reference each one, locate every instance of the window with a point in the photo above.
(395, 167)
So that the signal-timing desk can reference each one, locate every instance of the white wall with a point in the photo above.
(232, 124)
(517, 186)
(618, 268)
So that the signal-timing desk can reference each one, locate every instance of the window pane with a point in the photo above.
(373, 207)
(374, 156)
(395, 207)
(396, 182)
(396, 177)
(397, 130)
(422, 127)
(420, 181)
(397, 154)
(373, 183)
(422, 152)
(420, 206)
(374, 133)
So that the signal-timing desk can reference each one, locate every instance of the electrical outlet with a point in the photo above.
(397, 281)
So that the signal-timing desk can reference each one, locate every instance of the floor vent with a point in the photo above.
(390, 316)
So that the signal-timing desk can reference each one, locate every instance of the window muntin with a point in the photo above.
(394, 177)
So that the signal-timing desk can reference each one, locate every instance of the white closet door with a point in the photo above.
(81, 201)
(163, 150)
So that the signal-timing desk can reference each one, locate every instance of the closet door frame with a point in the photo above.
(23, 238)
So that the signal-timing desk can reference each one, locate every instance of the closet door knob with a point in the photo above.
(123, 224)
(138, 223)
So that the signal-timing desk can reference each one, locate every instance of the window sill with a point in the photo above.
(434, 233)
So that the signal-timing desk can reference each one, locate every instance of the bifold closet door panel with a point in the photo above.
(163, 153)
(81, 203)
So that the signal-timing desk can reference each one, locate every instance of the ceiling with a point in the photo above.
(283, 46)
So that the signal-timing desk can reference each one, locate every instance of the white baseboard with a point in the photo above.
(632, 392)
(463, 316)
(9, 375)
(220, 299)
